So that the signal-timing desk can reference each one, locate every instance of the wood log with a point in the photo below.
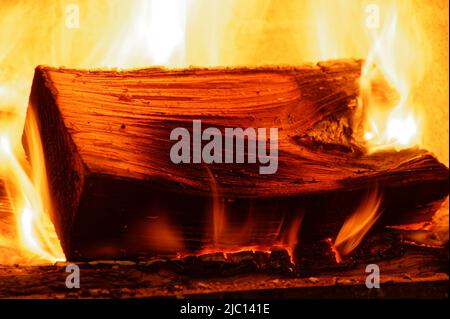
(106, 144)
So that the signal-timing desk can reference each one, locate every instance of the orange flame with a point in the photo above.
(358, 224)
(155, 35)
(229, 237)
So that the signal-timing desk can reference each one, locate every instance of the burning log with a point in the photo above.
(106, 139)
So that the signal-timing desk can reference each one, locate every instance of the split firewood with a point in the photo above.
(107, 147)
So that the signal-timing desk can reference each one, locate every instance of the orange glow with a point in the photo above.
(161, 237)
(31, 199)
(392, 121)
(179, 33)
(387, 35)
(358, 224)
(337, 255)
(291, 240)
(154, 36)
(231, 237)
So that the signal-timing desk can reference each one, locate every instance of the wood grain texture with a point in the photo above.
(120, 123)
(106, 143)
(414, 275)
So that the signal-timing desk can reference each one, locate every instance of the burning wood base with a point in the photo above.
(408, 270)
(117, 194)
(418, 273)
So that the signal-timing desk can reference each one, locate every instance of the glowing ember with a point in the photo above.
(228, 237)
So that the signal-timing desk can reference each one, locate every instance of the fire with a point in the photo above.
(358, 224)
(178, 33)
(31, 201)
(387, 34)
(392, 121)
(231, 237)
(155, 35)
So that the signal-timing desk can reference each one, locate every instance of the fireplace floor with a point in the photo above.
(414, 275)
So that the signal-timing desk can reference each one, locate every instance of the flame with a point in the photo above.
(358, 224)
(290, 241)
(388, 35)
(228, 236)
(396, 63)
(32, 203)
(231, 237)
(178, 33)
(152, 32)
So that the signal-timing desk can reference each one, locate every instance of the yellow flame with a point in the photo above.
(35, 228)
(390, 36)
(358, 224)
(150, 32)
(393, 67)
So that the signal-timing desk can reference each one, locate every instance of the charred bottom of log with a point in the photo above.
(138, 221)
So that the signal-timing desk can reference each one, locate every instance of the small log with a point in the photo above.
(106, 144)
